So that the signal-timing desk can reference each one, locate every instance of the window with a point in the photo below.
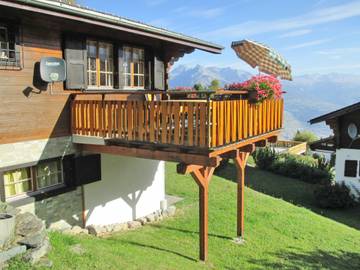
(134, 67)
(351, 168)
(100, 64)
(8, 53)
(31, 179)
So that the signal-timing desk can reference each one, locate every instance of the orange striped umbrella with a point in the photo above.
(264, 57)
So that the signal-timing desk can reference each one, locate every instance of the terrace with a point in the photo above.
(194, 129)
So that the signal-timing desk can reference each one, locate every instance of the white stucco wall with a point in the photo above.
(352, 182)
(130, 188)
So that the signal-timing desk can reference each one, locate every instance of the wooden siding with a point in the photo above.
(190, 123)
(28, 110)
(343, 122)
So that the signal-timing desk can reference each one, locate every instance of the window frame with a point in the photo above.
(33, 180)
(132, 72)
(98, 71)
(16, 62)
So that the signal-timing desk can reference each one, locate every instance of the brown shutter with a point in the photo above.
(68, 164)
(87, 169)
(159, 74)
(76, 58)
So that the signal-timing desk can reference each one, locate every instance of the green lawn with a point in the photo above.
(279, 234)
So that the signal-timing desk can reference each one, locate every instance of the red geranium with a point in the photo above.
(266, 86)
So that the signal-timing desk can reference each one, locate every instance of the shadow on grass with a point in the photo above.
(187, 231)
(318, 259)
(291, 190)
(158, 248)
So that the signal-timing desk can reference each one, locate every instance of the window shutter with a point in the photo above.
(75, 56)
(159, 74)
(69, 170)
(121, 68)
(351, 168)
(87, 169)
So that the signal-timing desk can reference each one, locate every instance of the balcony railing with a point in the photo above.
(187, 123)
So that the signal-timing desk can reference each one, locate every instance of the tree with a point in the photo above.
(305, 136)
(199, 87)
(215, 85)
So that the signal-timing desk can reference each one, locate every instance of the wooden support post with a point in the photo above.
(202, 176)
(240, 162)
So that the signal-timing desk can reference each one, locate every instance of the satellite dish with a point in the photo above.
(352, 131)
(52, 69)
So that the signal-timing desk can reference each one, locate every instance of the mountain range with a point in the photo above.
(306, 97)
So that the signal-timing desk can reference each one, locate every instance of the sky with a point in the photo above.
(315, 36)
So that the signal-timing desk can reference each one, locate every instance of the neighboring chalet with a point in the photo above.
(345, 143)
(91, 150)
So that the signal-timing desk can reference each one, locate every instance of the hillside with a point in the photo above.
(307, 96)
(279, 235)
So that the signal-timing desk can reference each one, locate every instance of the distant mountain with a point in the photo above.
(307, 96)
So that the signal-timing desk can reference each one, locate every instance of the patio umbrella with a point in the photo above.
(267, 59)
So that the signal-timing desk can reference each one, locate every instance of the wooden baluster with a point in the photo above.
(191, 124)
(163, 122)
(214, 123)
(203, 124)
(234, 120)
(183, 124)
(152, 118)
(176, 111)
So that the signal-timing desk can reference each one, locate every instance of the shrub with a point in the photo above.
(264, 157)
(305, 168)
(305, 136)
(335, 196)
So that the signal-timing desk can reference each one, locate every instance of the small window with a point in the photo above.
(351, 168)
(45, 175)
(100, 64)
(9, 56)
(134, 67)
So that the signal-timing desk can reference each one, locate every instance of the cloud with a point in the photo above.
(316, 17)
(339, 51)
(308, 44)
(202, 13)
(296, 33)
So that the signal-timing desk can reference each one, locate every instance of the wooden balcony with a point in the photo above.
(202, 124)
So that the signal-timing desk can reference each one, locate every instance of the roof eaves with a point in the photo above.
(336, 113)
(86, 12)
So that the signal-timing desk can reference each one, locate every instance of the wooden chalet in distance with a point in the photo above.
(91, 150)
(345, 143)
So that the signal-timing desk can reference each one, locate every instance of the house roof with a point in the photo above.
(336, 114)
(110, 20)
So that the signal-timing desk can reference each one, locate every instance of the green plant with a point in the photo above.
(214, 85)
(199, 87)
(335, 196)
(305, 136)
(264, 157)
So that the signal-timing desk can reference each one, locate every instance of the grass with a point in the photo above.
(279, 234)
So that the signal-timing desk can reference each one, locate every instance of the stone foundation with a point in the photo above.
(66, 206)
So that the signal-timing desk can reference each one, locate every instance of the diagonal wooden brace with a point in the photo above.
(202, 176)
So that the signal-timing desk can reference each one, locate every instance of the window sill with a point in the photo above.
(39, 195)
(5, 67)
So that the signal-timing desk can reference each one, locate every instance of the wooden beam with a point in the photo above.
(273, 139)
(240, 162)
(183, 168)
(261, 143)
(221, 150)
(195, 159)
(202, 177)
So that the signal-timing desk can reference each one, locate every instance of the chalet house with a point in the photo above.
(91, 149)
(345, 143)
